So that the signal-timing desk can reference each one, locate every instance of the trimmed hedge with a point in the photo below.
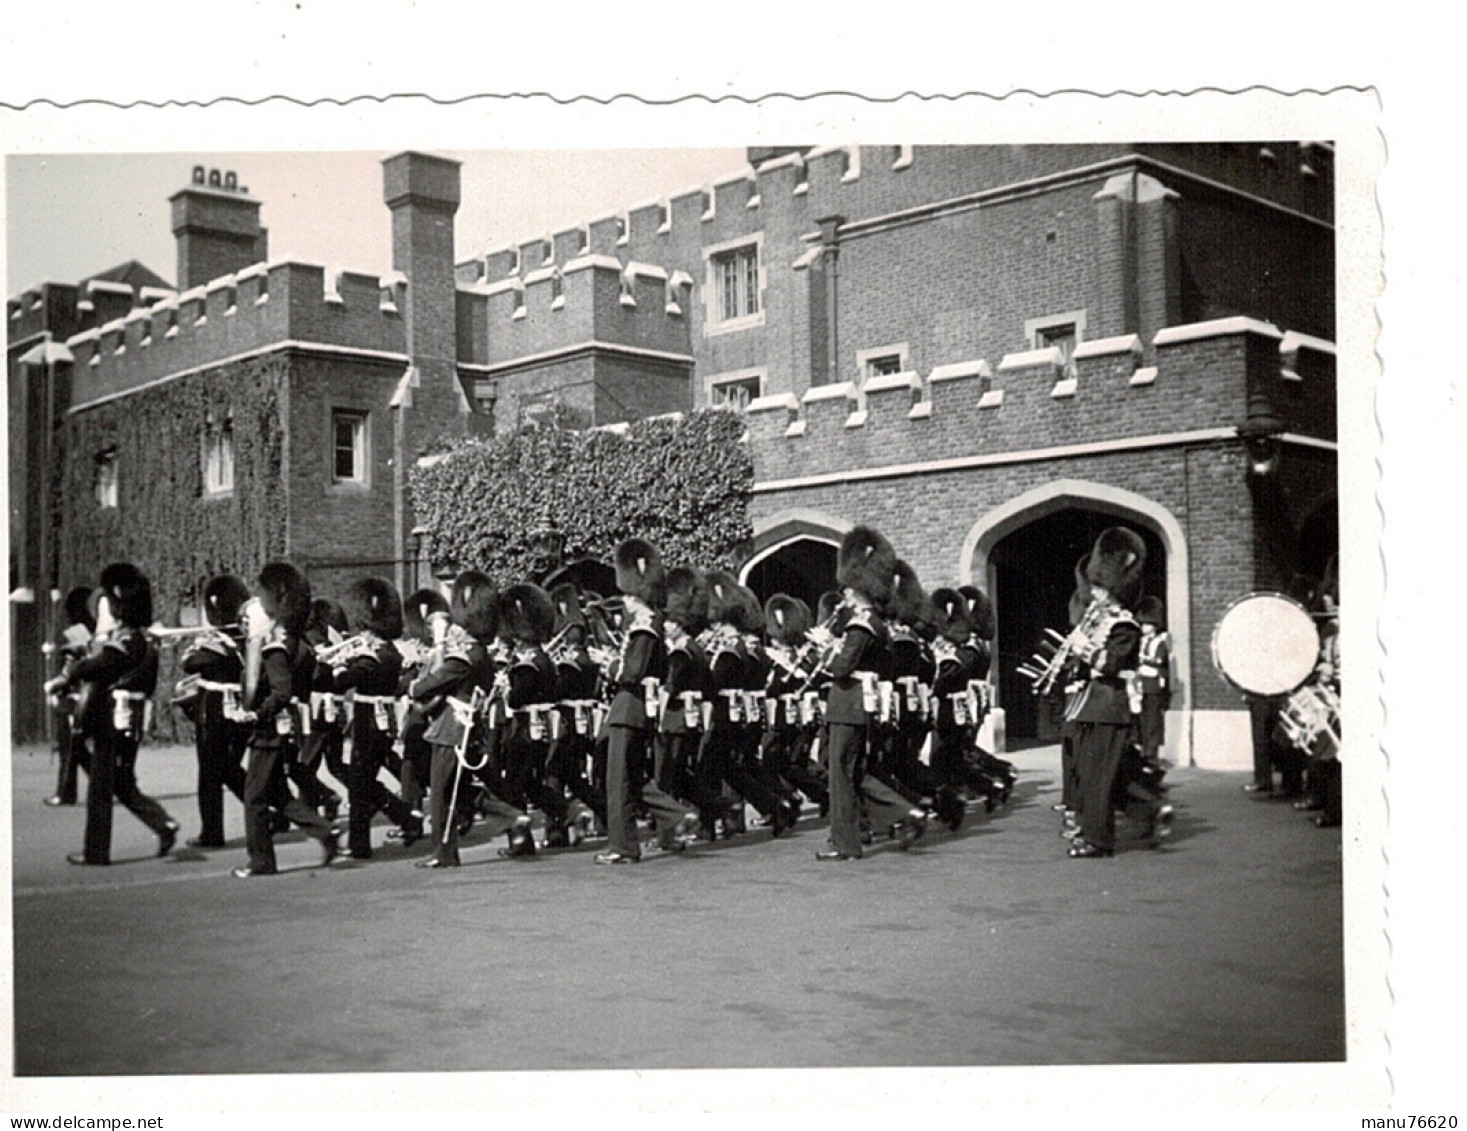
(682, 484)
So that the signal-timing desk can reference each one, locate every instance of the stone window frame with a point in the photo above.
(758, 378)
(105, 483)
(361, 479)
(217, 459)
(902, 351)
(1034, 329)
(715, 254)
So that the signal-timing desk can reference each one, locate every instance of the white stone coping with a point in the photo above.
(1144, 376)
(796, 428)
(844, 390)
(108, 287)
(1050, 355)
(857, 419)
(907, 379)
(1105, 347)
(251, 271)
(488, 290)
(585, 262)
(804, 259)
(957, 370)
(1065, 388)
(154, 293)
(675, 417)
(540, 275)
(922, 410)
(787, 401)
(1216, 328)
(796, 159)
(1294, 341)
(680, 278)
(991, 399)
(646, 271)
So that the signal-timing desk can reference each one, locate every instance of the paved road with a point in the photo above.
(985, 948)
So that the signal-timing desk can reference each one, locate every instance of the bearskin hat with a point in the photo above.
(1116, 563)
(751, 612)
(325, 613)
(980, 611)
(725, 604)
(130, 594)
(952, 615)
(473, 604)
(286, 595)
(787, 618)
(78, 608)
(925, 623)
(687, 598)
(640, 573)
(526, 613)
(417, 609)
(223, 596)
(905, 603)
(825, 607)
(867, 563)
(1150, 610)
(569, 615)
(373, 605)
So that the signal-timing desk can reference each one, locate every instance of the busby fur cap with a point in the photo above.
(925, 625)
(725, 604)
(326, 613)
(373, 605)
(1116, 563)
(867, 564)
(526, 613)
(130, 594)
(640, 573)
(787, 618)
(825, 608)
(77, 608)
(980, 611)
(952, 615)
(287, 595)
(1150, 610)
(566, 598)
(474, 605)
(417, 609)
(687, 598)
(751, 612)
(223, 596)
(905, 604)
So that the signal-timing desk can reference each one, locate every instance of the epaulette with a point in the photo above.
(641, 620)
(275, 639)
(524, 658)
(457, 650)
(864, 618)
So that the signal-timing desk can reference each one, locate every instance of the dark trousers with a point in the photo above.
(1101, 751)
(850, 787)
(1070, 793)
(367, 795)
(1152, 726)
(444, 774)
(417, 760)
(219, 746)
(568, 766)
(266, 788)
(627, 787)
(1263, 715)
(322, 746)
(72, 752)
(114, 775)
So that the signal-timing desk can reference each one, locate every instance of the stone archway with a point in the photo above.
(1100, 499)
(794, 552)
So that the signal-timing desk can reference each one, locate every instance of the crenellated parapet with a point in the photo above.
(589, 299)
(1037, 400)
(261, 307)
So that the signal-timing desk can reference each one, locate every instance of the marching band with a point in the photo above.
(679, 704)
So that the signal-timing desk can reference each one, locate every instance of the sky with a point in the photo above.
(69, 216)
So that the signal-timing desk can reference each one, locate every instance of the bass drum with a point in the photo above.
(1265, 644)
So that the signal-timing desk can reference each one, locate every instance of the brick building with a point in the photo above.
(990, 353)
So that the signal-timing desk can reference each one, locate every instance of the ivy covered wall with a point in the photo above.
(682, 484)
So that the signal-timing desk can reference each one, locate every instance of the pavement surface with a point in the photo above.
(989, 947)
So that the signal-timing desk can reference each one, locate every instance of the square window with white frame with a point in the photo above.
(1061, 331)
(880, 361)
(736, 392)
(348, 446)
(734, 282)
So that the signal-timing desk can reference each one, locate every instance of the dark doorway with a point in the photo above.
(803, 568)
(588, 574)
(1034, 574)
(1319, 541)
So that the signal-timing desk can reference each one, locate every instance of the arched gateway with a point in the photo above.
(1024, 552)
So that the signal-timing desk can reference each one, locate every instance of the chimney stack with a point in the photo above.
(217, 226)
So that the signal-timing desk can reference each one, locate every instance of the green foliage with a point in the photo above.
(163, 523)
(681, 484)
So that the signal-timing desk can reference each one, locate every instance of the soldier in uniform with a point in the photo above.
(70, 644)
(325, 739)
(116, 679)
(751, 778)
(371, 674)
(957, 665)
(1103, 710)
(421, 651)
(688, 689)
(575, 682)
(276, 680)
(219, 741)
(789, 734)
(640, 667)
(866, 569)
(1153, 675)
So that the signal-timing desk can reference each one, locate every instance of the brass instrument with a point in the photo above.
(822, 645)
(345, 651)
(165, 637)
(1083, 641)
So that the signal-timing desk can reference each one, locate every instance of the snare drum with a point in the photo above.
(1265, 644)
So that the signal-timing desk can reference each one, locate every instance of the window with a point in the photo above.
(485, 394)
(880, 361)
(107, 479)
(883, 365)
(348, 447)
(219, 459)
(1059, 331)
(736, 392)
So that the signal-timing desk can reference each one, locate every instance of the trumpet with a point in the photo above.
(164, 636)
(1044, 670)
(345, 651)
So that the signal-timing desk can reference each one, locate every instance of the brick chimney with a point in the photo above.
(217, 225)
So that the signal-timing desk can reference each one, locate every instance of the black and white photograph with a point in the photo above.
(700, 603)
